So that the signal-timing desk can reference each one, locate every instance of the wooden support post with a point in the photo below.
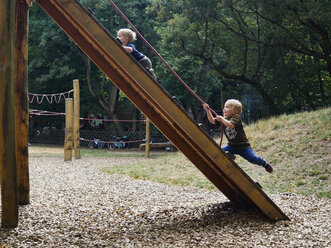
(8, 170)
(76, 118)
(68, 142)
(147, 137)
(21, 100)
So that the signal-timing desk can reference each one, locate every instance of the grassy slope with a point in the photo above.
(298, 146)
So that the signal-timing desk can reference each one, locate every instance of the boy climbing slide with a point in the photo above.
(234, 132)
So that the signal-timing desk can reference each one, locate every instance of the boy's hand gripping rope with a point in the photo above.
(173, 72)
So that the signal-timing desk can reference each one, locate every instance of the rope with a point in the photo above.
(52, 96)
(111, 142)
(43, 112)
(95, 119)
(163, 60)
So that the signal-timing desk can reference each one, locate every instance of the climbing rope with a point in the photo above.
(165, 62)
(49, 97)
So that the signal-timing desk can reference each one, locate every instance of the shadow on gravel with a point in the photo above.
(220, 216)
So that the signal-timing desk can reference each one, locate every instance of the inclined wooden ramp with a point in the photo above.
(170, 118)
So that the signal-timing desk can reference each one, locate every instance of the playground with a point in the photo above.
(76, 204)
(139, 86)
(194, 196)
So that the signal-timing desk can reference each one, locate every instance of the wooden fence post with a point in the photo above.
(147, 138)
(68, 141)
(21, 100)
(76, 119)
(8, 169)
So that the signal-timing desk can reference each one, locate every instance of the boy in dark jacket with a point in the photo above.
(126, 36)
(234, 132)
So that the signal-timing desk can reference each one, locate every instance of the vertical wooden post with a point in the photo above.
(76, 118)
(68, 141)
(21, 100)
(8, 170)
(147, 137)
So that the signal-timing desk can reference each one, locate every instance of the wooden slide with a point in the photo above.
(166, 114)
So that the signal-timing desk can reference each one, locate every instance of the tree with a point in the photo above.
(101, 87)
(301, 27)
(55, 60)
(254, 42)
(195, 31)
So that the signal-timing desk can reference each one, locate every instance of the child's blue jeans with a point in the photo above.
(247, 154)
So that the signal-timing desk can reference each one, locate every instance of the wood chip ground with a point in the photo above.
(75, 204)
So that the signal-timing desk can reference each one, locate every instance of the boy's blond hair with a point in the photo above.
(235, 106)
(127, 33)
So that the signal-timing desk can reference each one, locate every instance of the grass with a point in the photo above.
(171, 169)
(53, 150)
(118, 154)
(298, 146)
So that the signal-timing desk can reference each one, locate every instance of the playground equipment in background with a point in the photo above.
(115, 143)
(122, 142)
(96, 144)
(72, 109)
(119, 142)
(167, 145)
(49, 97)
(99, 141)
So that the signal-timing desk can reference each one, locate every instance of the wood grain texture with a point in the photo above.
(21, 100)
(9, 198)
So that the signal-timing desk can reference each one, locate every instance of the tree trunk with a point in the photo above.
(111, 105)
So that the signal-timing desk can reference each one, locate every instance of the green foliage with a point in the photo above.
(274, 56)
(277, 48)
(54, 60)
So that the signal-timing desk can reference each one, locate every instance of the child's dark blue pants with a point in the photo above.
(247, 154)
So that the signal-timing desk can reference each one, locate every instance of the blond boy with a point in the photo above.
(126, 36)
(234, 132)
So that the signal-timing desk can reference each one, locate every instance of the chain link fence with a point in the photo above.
(55, 136)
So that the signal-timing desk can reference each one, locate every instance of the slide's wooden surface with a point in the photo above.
(103, 49)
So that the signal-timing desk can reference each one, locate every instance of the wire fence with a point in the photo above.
(54, 136)
(94, 136)
(104, 138)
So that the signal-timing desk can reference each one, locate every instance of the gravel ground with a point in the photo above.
(75, 204)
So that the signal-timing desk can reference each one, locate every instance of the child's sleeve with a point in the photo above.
(235, 120)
